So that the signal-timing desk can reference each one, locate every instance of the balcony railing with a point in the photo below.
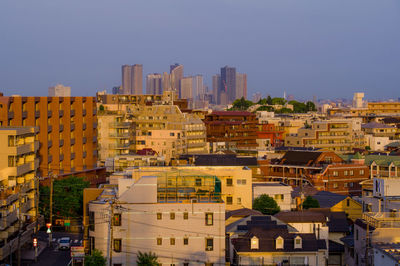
(61, 128)
(72, 112)
(60, 113)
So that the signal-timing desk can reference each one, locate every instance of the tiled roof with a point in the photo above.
(301, 217)
(375, 125)
(232, 113)
(328, 199)
(244, 212)
(300, 157)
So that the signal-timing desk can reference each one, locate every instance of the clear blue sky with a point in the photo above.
(328, 48)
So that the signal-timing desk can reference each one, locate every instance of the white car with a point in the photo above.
(64, 243)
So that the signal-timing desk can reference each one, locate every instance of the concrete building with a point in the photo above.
(154, 84)
(280, 192)
(67, 130)
(121, 162)
(166, 217)
(337, 135)
(19, 187)
(241, 86)
(176, 74)
(235, 182)
(216, 83)
(379, 130)
(59, 91)
(186, 86)
(358, 100)
(228, 83)
(126, 79)
(132, 79)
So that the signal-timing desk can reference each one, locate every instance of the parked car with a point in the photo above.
(64, 243)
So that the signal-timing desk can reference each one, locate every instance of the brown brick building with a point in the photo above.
(67, 130)
(324, 170)
(238, 129)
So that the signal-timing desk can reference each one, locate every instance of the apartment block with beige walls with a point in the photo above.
(67, 129)
(339, 135)
(18, 190)
(236, 181)
(177, 230)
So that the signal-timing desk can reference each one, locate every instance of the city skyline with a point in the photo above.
(308, 48)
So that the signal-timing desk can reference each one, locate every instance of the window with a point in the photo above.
(229, 182)
(159, 241)
(185, 216)
(91, 221)
(346, 172)
(159, 215)
(11, 141)
(279, 242)
(254, 243)
(186, 264)
(362, 172)
(209, 244)
(351, 172)
(186, 241)
(335, 173)
(239, 201)
(351, 184)
(348, 202)
(172, 134)
(335, 185)
(241, 181)
(117, 245)
(297, 242)
(11, 161)
(172, 216)
(209, 218)
(198, 182)
(117, 219)
(345, 184)
(229, 200)
(172, 241)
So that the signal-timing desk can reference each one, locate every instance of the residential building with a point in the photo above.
(236, 130)
(166, 82)
(132, 79)
(324, 170)
(121, 162)
(336, 135)
(59, 91)
(126, 79)
(199, 89)
(228, 83)
(235, 182)
(235, 215)
(268, 136)
(280, 192)
(19, 188)
(154, 84)
(152, 215)
(379, 130)
(176, 74)
(241, 86)
(67, 130)
(268, 242)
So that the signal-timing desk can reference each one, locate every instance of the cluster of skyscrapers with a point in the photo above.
(227, 86)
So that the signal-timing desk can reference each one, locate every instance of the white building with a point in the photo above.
(59, 91)
(279, 191)
(167, 217)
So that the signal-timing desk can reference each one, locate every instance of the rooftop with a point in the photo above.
(376, 125)
(391, 249)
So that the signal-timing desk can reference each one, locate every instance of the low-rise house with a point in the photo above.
(280, 192)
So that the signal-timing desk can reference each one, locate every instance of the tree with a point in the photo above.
(298, 107)
(147, 259)
(95, 259)
(278, 101)
(241, 104)
(262, 101)
(310, 202)
(269, 100)
(67, 198)
(101, 107)
(266, 205)
(265, 108)
(310, 106)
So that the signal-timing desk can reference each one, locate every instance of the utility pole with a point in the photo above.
(51, 208)
(110, 234)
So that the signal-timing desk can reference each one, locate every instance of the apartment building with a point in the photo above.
(167, 217)
(19, 187)
(121, 162)
(336, 135)
(268, 136)
(235, 182)
(236, 130)
(67, 130)
(324, 170)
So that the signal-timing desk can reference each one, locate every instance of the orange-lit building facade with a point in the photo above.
(67, 130)
(235, 127)
(270, 134)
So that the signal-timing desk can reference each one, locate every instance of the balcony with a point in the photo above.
(49, 128)
(84, 140)
(72, 126)
(72, 112)
(28, 205)
(94, 139)
(7, 197)
(24, 114)
(24, 148)
(119, 135)
(94, 111)
(61, 128)
(73, 141)
(84, 154)
(120, 125)
(61, 143)
(84, 112)
(84, 126)
(49, 113)
(10, 115)
(8, 220)
(94, 125)
(23, 168)
(49, 158)
(37, 114)
(61, 157)
(119, 146)
(49, 143)
(60, 113)
(73, 156)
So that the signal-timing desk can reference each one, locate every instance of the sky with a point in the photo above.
(329, 48)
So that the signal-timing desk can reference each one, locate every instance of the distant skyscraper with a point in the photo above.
(187, 88)
(126, 79)
(166, 82)
(137, 79)
(154, 84)
(59, 91)
(199, 90)
(176, 76)
(132, 79)
(241, 85)
(216, 81)
(228, 82)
